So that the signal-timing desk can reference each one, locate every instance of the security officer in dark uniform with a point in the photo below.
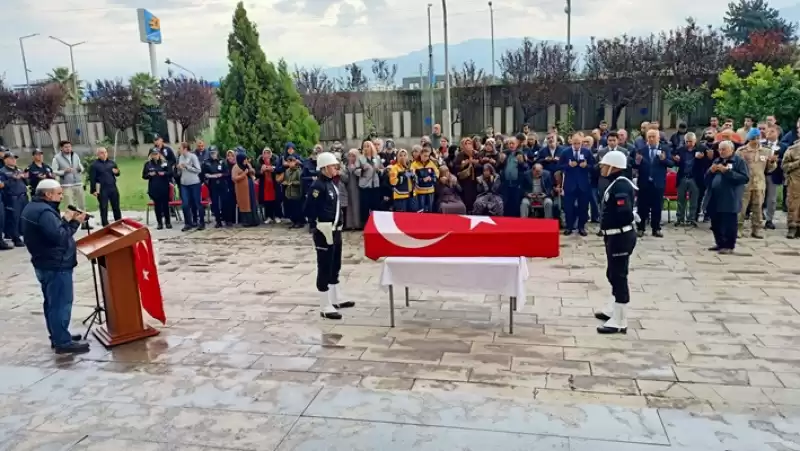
(38, 170)
(617, 226)
(15, 197)
(213, 172)
(324, 209)
(3, 244)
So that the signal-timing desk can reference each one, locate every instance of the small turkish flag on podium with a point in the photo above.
(128, 280)
(390, 234)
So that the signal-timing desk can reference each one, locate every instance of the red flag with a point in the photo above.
(147, 273)
(390, 234)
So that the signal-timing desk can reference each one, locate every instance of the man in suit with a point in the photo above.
(576, 164)
(652, 162)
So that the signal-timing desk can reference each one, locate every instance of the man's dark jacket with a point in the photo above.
(48, 237)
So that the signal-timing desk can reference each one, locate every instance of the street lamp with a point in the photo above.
(25, 61)
(491, 19)
(169, 62)
(568, 12)
(72, 63)
(447, 106)
(431, 77)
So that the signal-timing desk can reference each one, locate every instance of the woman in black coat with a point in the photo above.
(159, 172)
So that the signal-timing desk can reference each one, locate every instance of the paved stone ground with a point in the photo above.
(711, 360)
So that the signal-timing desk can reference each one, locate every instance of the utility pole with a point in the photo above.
(568, 11)
(448, 109)
(74, 80)
(431, 76)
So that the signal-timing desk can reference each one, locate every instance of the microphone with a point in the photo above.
(76, 210)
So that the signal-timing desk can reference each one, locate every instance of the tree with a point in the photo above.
(186, 101)
(318, 91)
(765, 47)
(70, 83)
(471, 83)
(684, 101)
(256, 102)
(745, 17)
(39, 106)
(118, 105)
(354, 80)
(146, 88)
(536, 75)
(384, 73)
(8, 103)
(693, 55)
(622, 71)
(765, 91)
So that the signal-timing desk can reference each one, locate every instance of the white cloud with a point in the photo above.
(323, 32)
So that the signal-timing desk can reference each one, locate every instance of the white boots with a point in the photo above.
(336, 298)
(330, 301)
(617, 323)
(326, 308)
(607, 311)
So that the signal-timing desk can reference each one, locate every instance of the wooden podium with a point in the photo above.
(113, 249)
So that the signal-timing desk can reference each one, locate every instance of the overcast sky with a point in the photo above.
(305, 32)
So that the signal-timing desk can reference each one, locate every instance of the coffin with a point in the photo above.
(390, 234)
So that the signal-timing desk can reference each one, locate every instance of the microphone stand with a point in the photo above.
(97, 315)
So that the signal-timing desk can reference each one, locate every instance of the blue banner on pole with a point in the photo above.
(428, 120)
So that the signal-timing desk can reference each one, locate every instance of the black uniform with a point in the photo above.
(619, 232)
(101, 174)
(38, 173)
(323, 206)
(158, 174)
(15, 197)
(214, 174)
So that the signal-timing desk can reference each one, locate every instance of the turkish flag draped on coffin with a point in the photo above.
(147, 275)
(389, 234)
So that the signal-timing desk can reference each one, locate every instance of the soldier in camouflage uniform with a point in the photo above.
(791, 171)
(760, 161)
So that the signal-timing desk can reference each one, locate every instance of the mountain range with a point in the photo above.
(478, 50)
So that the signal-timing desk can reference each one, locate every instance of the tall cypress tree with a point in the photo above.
(259, 104)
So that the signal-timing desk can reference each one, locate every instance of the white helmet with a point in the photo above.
(325, 159)
(615, 159)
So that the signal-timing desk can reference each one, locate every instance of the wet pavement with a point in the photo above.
(711, 360)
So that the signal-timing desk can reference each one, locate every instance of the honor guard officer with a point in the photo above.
(324, 209)
(617, 226)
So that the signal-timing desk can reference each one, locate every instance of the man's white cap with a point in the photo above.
(615, 159)
(47, 184)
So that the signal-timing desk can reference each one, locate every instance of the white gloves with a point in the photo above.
(636, 217)
(326, 229)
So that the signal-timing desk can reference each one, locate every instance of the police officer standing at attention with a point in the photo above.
(15, 197)
(324, 210)
(213, 171)
(619, 234)
(3, 245)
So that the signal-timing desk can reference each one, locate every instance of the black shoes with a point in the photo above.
(769, 225)
(218, 225)
(602, 316)
(658, 234)
(18, 243)
(331, 315)
(76, 347)
(160, 227)
(606, 330)
(345, 304)
(201, 227)
(640, 233)
(568, 232)
(582, 232)
(75, 337)
(187, 228)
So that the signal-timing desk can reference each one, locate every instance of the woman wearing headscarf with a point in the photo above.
(352, 214)
(243, 176)
(489, 202)
(468, 169)
(448, 200)
(269, 170)
(229, 203)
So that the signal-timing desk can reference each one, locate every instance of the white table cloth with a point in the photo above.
(503, 276)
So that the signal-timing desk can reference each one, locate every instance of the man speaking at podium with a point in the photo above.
(49, 240)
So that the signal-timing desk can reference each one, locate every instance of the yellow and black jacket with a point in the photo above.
(421, 171)
(401, 180)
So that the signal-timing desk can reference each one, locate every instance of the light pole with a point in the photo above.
(72, 64)
(431, 77)
(491, 19)
(568, 11)
(448, 112)
(24, 60)
(169, 62)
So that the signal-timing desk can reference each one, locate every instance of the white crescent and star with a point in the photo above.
(145, 258)
(386, 226)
